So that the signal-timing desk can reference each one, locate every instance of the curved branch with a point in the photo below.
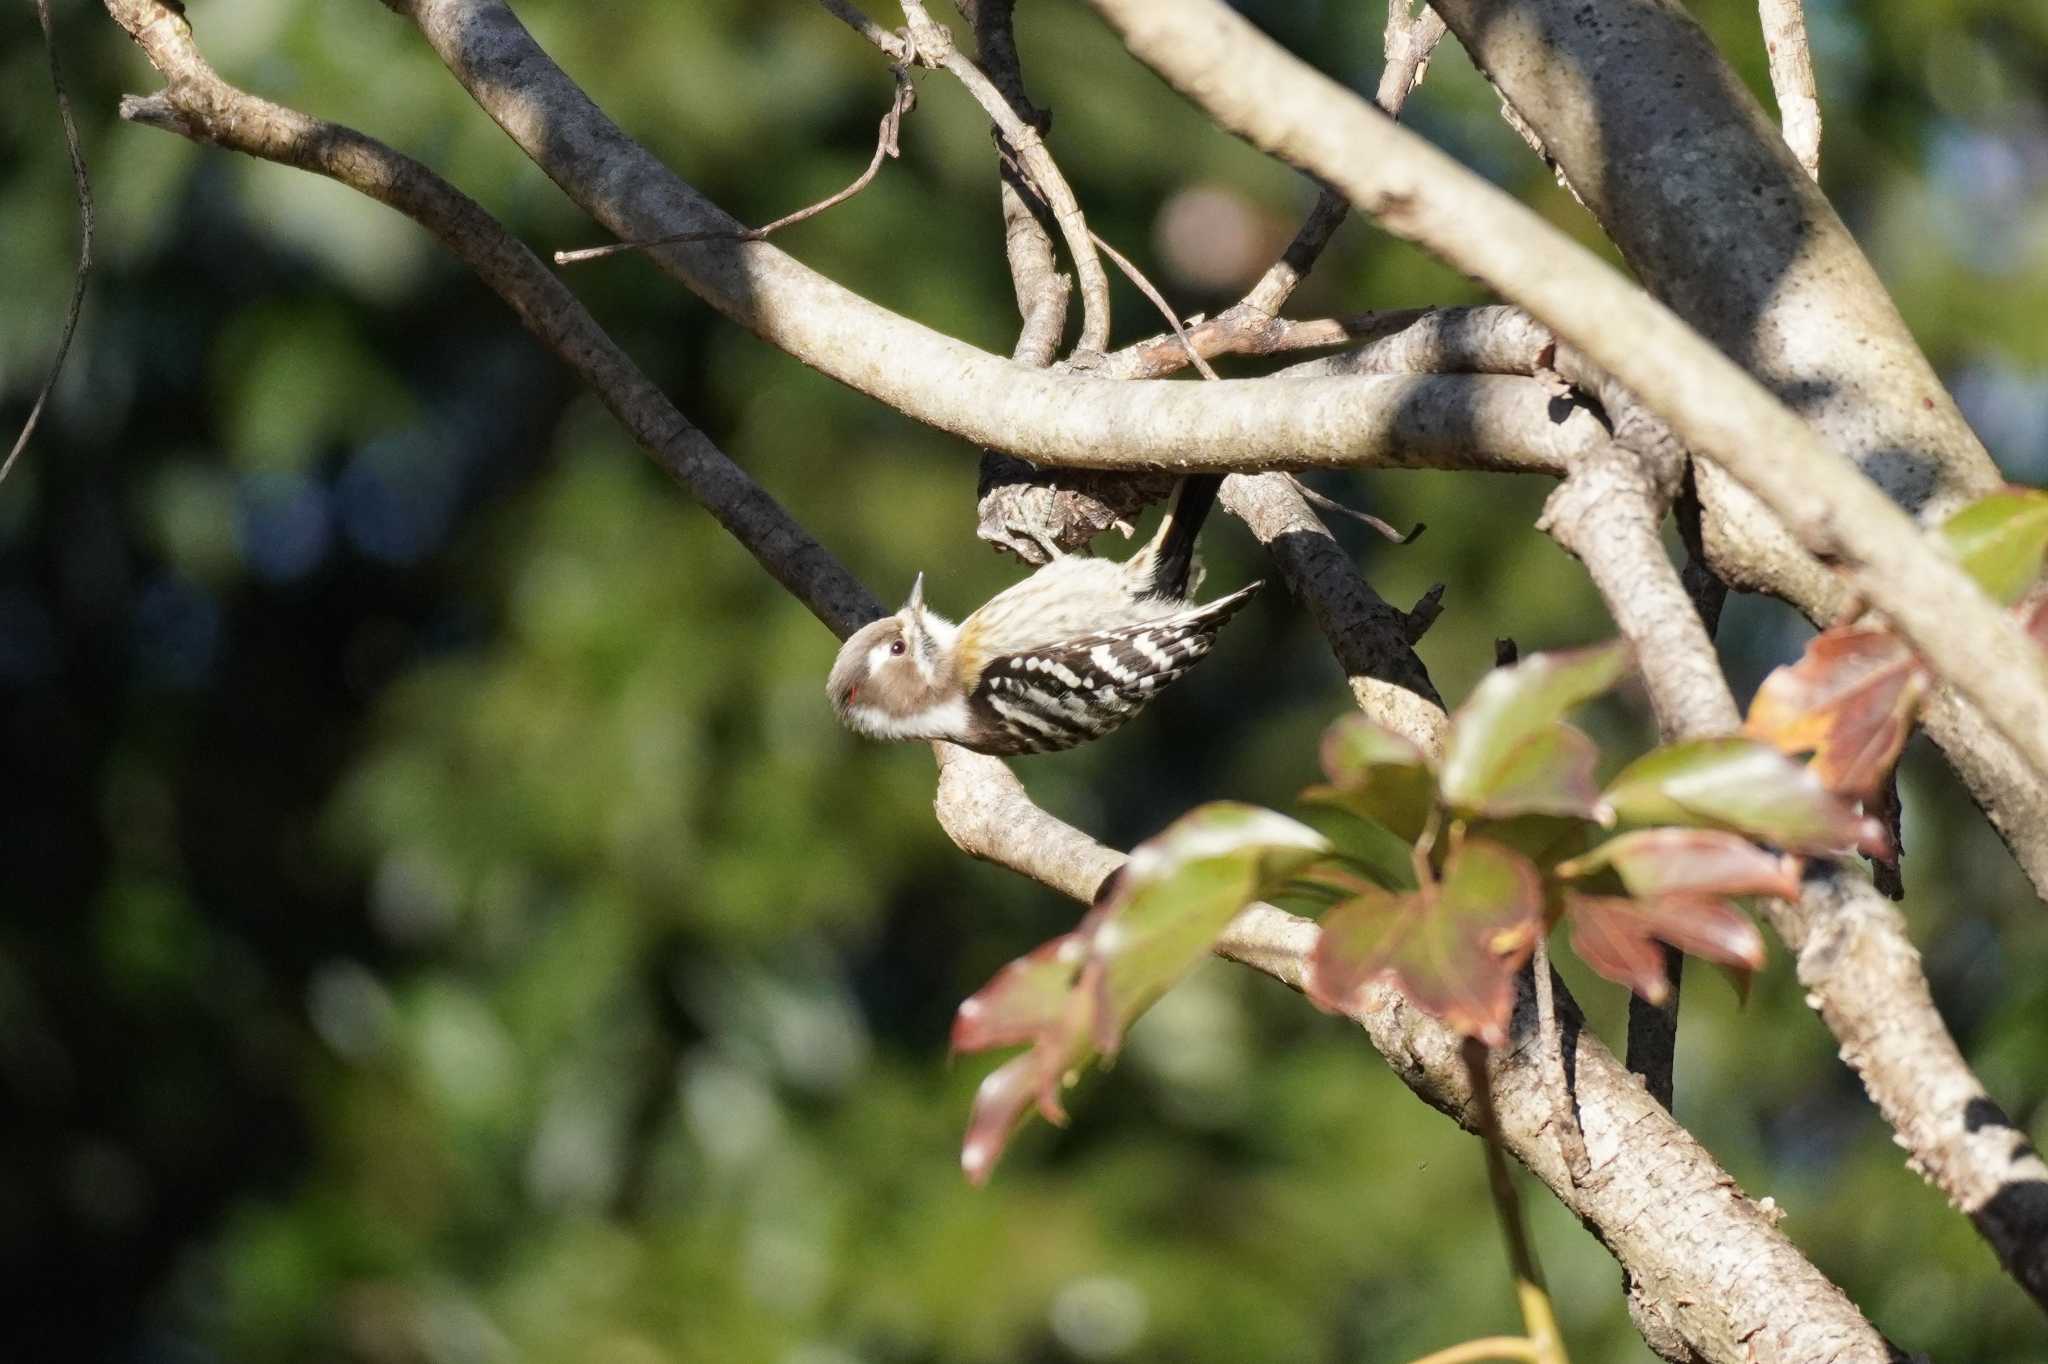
(199, 105)
(1066, 419)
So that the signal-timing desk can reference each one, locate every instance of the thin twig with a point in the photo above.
(85, 227)
(1564, 1120)
(1283, 275)
(886, 146)
(1243, 330)
(1784, 25)
(1158, 300)
(1410, 39)
(1385, 529)
(892, 46)
(935, 48)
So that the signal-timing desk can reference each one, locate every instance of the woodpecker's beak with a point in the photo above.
(916, 602)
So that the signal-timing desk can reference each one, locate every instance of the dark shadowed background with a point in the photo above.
(442, 921)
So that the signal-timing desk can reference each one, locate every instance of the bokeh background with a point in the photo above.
(441, 920)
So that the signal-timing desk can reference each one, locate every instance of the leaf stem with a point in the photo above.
(1545, 1342)
(1487, 1347)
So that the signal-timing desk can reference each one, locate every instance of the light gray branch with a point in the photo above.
(935, 48)
(1784, 25)
(1681, 165)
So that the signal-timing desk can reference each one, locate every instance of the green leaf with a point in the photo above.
(1376, 775)
(1549, 773)
(1742, 785)
(1453, 947)
(1513, 705)
(1178, 892)
(2000, 541)
(1709, 861)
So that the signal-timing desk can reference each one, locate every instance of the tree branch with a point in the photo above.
(199, 105)
(1680, 164)
(1256, 89)
(1784, 25)
(935, 48)
(1853, 954)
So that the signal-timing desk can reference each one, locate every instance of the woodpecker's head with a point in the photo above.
(893, 678)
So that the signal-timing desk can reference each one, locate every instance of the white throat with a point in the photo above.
(946, 719)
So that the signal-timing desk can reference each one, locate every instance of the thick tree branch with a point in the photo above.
(1853, 954)
(1680, 165)
(1065, 419)
(1256, 89)
(1372, 640)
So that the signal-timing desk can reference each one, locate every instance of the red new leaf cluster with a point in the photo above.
(1499, 833)
(1501, 838)
(1853, 696)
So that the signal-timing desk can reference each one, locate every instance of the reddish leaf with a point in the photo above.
(1359, 936)
(1453, 947)
(1025, 998)
(1610, 942)
(1850, 700)
(1708, 861)
(2034, 620)
(1007, 1093)
(1513, 705)
(1999, 540)
(1075, 995)
(1743, 785)
(1618, 937)
(1377, 775)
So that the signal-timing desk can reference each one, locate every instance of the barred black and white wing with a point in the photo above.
(1067, 692)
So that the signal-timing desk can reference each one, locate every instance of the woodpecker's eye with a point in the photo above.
(896, 649)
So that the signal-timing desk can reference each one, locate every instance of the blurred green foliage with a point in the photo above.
(442, 921)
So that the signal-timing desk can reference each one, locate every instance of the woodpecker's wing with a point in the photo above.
(1065, 693)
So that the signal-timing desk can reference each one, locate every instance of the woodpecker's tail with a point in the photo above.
(1173, 547)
